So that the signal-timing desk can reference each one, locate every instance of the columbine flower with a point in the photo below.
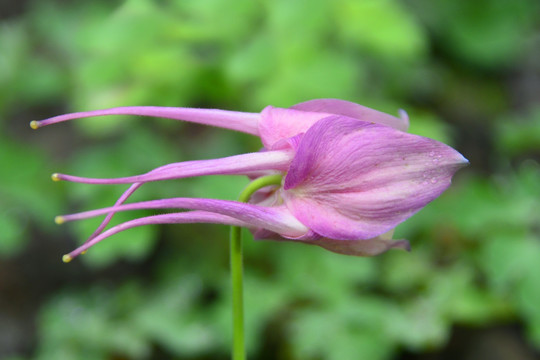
(350, 176)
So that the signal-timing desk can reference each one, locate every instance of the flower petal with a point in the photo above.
(355, 180)
(136, 185)
(110, 215)
(174, 218)
(369, 247)
(278, 124)
(245, 164)
(234, 120)
(356, 111)
(277, 219)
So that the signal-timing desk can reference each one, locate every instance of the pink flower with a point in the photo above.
(350, 176)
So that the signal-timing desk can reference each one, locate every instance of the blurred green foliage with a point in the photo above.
(460, 68)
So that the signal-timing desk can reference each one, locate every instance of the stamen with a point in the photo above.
(56, 177)
(59, 220)
(67, 258)
(34, 124)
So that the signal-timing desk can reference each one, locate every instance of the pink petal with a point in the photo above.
(353, 110)
(369, 247)
(278, 124)
(277, 219)
(234, 120)
(110, 215)
(174, 218)
(355, 180)
(245, 164)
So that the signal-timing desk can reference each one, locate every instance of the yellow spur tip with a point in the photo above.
(55, 177)
(66, 258)
(34, 124)
(59, 220)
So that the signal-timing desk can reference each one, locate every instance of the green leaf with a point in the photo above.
(383, 28)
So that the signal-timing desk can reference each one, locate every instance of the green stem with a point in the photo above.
(239, 350)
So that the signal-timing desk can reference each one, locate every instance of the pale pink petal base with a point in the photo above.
(356, 111)
(277, 124)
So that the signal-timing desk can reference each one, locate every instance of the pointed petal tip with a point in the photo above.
(402, 244)
(405, 117)
(459, 161)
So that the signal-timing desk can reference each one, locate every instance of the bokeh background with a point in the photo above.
(467, 72)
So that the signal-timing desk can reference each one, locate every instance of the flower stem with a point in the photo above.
(238, 349)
